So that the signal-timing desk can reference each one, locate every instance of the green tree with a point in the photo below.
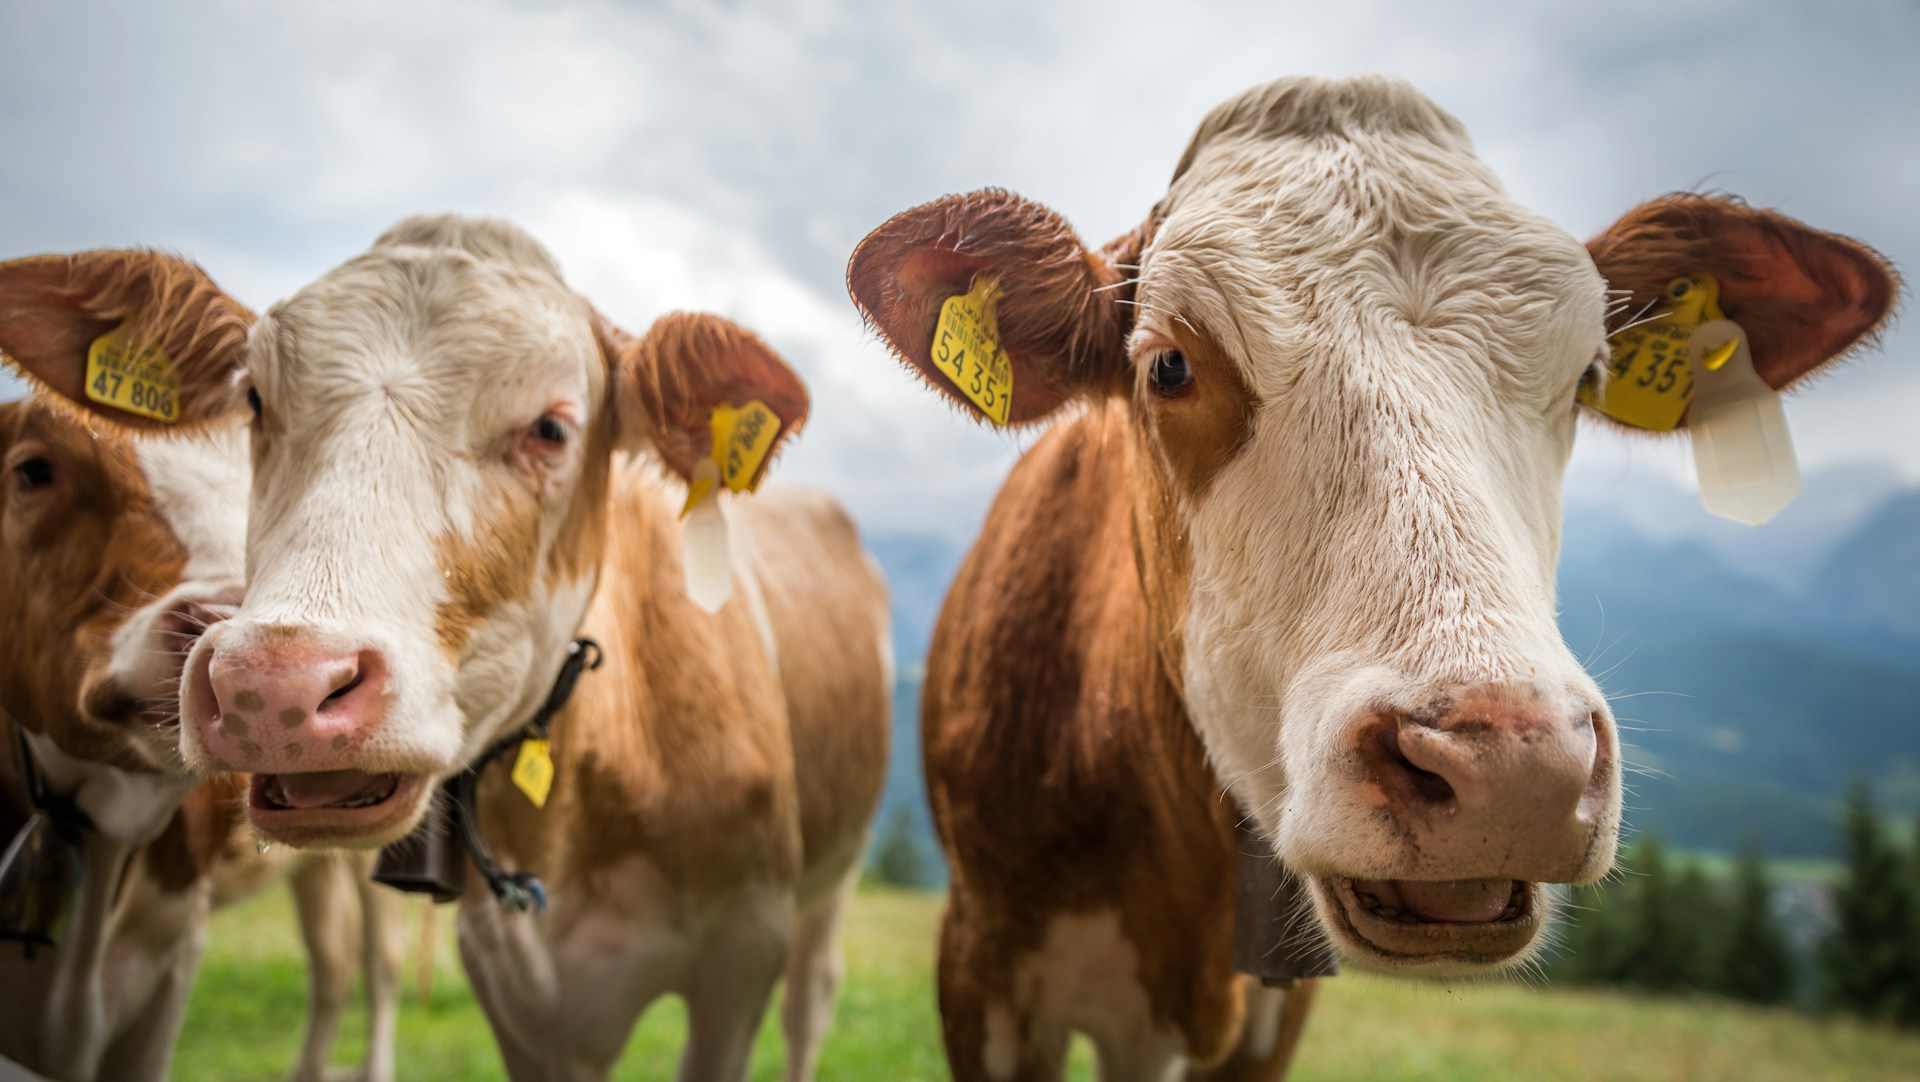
(1595, 934)
(1698, 923)
(1754, 962)
(1657, 947)
(901, 859)
(1872, 957)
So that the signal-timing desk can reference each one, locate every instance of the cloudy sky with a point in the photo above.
(729, 155)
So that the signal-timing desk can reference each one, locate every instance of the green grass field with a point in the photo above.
(244, 1021)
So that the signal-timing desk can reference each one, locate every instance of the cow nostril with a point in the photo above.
(1397, 774)
(346, 689)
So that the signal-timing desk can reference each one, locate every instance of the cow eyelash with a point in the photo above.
(1170, 372)
(34, 473)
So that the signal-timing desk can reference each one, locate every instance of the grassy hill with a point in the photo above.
(243, 1023)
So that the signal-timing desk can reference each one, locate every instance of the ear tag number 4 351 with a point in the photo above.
(967, 350)
(1650, 380)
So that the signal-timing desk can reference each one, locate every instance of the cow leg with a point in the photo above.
(75, 1037)
(1275, 1019)
(989, 1037)
(382, 927)
(814, 971)
(322, 900)
(730, 986)
(143, 1051)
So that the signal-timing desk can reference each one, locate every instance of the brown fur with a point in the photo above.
(689, 746)
(80, 554)
(486, 570)
(1067, 704)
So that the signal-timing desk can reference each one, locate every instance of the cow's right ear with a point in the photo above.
(173, 340)
(1060, 320)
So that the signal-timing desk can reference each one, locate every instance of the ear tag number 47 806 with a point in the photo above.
(133, 375)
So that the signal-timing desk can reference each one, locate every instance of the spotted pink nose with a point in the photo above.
(1500, 784)
(291, 707)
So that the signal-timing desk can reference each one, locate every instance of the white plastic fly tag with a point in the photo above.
(703, 542)
(1742, 452)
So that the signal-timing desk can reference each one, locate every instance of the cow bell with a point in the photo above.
(1272, 912)
(432, 860)
(39, 875)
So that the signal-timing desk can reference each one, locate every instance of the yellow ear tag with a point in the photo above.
(1650, 382)
(533, 770)
(742, 436)
(133, 375)
(966, 348)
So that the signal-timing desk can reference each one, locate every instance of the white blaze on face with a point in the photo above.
(198, 484)
(1385, 533)
(393, 512)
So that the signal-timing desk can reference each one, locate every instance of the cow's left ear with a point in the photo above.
(1803, 297)
(142, 340)
(668, 383)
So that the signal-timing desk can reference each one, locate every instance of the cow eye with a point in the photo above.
(550, 429)
(253, 400)
(1171, 373)
(33, 473)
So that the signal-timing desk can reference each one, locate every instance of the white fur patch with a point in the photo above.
(126, 806)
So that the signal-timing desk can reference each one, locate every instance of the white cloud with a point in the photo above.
(729, 156)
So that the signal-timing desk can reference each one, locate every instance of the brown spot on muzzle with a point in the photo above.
(492, 568)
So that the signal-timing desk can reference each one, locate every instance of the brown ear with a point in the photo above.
(668, 383)
(1063, 326)
(53, 307)
(1804, 297)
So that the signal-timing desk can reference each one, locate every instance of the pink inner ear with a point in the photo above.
(937, 272)
(1805, 298)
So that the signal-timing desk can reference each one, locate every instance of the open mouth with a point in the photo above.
(1440, 924)
(333, 807)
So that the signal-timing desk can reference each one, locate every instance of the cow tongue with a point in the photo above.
(1454, 901)
(326, 788)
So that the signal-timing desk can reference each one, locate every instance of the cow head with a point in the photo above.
(114, 553)
(1347, 362)
(435, 425)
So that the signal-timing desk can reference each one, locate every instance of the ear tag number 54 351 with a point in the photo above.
(967, 350)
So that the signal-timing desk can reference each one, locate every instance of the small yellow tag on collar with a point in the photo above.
(1650, 383)
(742, 436)
(967, 350)
(533, 770)
(133, 375)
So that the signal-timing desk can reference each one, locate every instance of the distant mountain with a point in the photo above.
(1873, 580)
(1755, 673)
(1785, 554)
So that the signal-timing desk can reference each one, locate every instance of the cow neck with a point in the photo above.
(419, 862)
(40, 867)
(518, 891)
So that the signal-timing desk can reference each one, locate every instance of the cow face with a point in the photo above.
(113, 556)
(434, 427)
(1348, 363)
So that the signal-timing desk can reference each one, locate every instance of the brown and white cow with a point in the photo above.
(113, 554)
(459, 466)
(1288, 546)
